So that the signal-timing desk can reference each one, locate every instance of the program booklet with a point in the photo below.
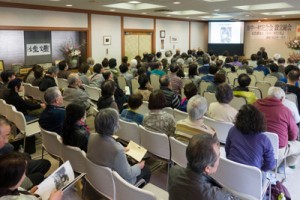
(61, 179)
(136, 151)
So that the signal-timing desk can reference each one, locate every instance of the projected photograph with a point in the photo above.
(225, 34)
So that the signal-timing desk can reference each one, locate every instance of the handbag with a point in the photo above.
(279, 192)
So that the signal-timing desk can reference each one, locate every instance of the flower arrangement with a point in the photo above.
(71, 51)
(295, 56)
(293, 44)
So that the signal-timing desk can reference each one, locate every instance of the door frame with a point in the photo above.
(153, 50)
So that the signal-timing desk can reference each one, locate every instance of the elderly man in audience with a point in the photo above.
(96, 79)
(293, 78)
(48, 80)
(63, 70)
(193, 124)
(281, 121)
(6, 76)
(176, 81)
(53, 116)
(76, 92)
(173, 99)
(36, 169)
(194, 181)
(205, 67)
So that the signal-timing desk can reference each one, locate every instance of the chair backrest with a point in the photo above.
(240, 178)
(101, 179)
(273, 137)
(256, 91)
(231, 76)
(292, 97)
(179, 115)
(27, 89)
(221, 128)
(62, 83)
(169, 110)
(203, 86)
(93, 92)
(129, 131)
(125, 190)
(241, 71)
(259, 75)
(19, 121)
(270, 79)
(178, 150)
(154, 79)
(155, 143)
(210, 97)
(134, 84)
(253, 80)
(76, 156)
(37, 94)
(51, 143)
(264, 87)
(143, 109)
(122, 82)
(238, 102)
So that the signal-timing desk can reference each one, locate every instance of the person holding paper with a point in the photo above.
(105, 151)
(12, 172)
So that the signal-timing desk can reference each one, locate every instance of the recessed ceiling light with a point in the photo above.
(214, 0)
(283, 16)
(216, 10)
(112, 10)
(291, 12)
(265, 18)
(69, 5)
(259, 21)
(247, 15)
(168, 15)
(144, 13)
(187, 17)
(134, 2)
(54, 0)
(266, 6)
(176, 2)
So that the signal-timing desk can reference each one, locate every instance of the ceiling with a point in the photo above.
(206, 10)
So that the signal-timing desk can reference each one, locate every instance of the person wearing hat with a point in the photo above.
(29, 109)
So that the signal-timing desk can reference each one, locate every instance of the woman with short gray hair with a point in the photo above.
(193, 124)
(105, 151)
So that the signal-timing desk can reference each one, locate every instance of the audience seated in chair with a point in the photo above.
(281, 121)
(242, 90)
(124, 69)
(82, 71)
(145, 88)
(134, 102)
(105, 151)
(193, 75)
(48, 80)
(190, 90)
(261, 67)
(96, 79)
(63, 70)
(29, 109)
(293, 78)
(274, 71)
(219, 78)
(246, 143)
(228, 65)
(112, 63)
(157, 119)
(173, 100)
(6, 76)
(106, 99)
(176, 82)
(211, 72)
(221, 110)
(35, 169)
(75, 132)
(51, 119)
(193, 124)
(195, 182)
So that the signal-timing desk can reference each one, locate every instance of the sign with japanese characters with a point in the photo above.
(38, 49)
(271, 31)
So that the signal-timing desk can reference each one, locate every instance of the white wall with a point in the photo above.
(199, 35)
(138, 23)
(104, 25)
(41, 18)
(179, 29)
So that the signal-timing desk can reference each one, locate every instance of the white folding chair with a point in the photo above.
(27, 89)
(179, 115)
(50, 143)
(62, 83)
(259, 75)
(156, 144)
(221, 128)
(129, 131)
(241, 178)
(231, 76)
(264, 87)
(143, 109)
(169, 110)
(125, 190)
(154, 79)
(241, 71)
(210, 97)
(256, 91)
(134, 84)
(292, 97)
(253, 80)
(203, 86)
(178, 150)
(37, 94)
(273, 137)
(93, 92)
(238, 102)
(101, 179)
(122, 82)
(270, 79)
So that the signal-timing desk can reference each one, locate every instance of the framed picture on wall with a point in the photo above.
(106, 40)
(173, 39)
(162, 34)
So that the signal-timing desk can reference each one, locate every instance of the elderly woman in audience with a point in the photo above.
(63, 70)
(29, 109)
(12, 172)
(219, 78)
(157, 119)
(246, 142)
(130, 114)
(145, 88)
(75, 131)
(176, 82)
(190, 90)
(82, 70)
(107, 92)
(242, 90)
(193, 124)
(193, 75)
(105, 151)
(96, 79)
(38, 74)
(221, 110)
